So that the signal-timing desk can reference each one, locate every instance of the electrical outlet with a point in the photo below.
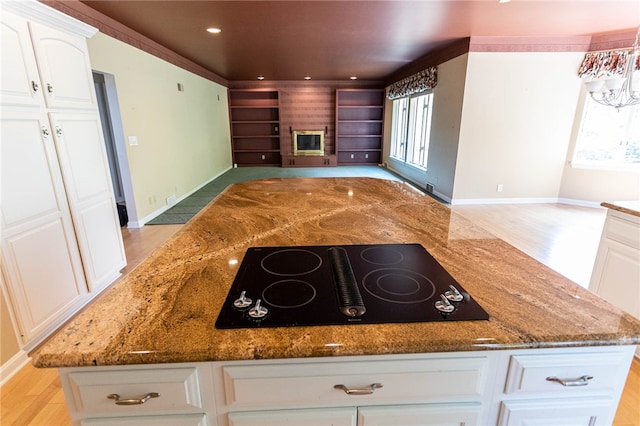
(499, 187)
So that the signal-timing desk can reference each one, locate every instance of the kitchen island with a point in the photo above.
(154, 329)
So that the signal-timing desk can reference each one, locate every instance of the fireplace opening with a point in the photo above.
(308, 142)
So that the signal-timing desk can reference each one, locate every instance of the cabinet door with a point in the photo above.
(616, 275)
(85, 170)
(172, 420)
(20, 82)
(420, 415)
(65, 70)
(345, 416)
(39, 250)
(558, 412)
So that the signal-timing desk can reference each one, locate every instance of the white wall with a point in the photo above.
(183, 136)
(517, 120)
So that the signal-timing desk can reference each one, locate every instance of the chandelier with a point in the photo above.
(618, 92)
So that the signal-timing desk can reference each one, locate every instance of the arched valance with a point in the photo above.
(606, 63)
(416, 83)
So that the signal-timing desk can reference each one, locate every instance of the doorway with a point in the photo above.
(109, 109)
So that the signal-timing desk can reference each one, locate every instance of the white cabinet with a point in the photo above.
(64, 68)
(174, 394)
(501, 387)
(41, 259)
(557, 412)
(85, 171)
(344, 416)
(616, 272)
(573, 386)
(61, 239)
(454, 414)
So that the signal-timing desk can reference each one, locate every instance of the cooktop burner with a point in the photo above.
(352, 284)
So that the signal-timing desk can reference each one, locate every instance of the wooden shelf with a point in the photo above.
(359, 126)
(255, 127)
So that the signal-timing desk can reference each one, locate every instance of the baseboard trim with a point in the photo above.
(468, 201)
(581, 203)
(149, 218)
(11, 367)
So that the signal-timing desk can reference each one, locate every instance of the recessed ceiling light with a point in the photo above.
(353, 77)
(307, 77)
(261, 77)
(504, 1)
(213, 30)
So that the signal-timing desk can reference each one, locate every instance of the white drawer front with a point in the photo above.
(421, 415)
(171, 420)
(313, 383)
(557, 412)
(623, 231)
(529, 373)
(308, 417)
(177, 388)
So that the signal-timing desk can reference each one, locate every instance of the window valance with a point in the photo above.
(416, 83)
(606, 64)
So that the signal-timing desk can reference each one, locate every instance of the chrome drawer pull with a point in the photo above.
(133, 401)
(582, 381)
(365, 391)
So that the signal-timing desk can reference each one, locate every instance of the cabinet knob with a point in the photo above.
(49, 88)
(45, 132)
(582, 381)
(59, 131)
(132, 401)
(359, 391)
(34, 86)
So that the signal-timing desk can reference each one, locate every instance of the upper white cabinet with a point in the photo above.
(61, 238)
(65, 71)
(20, 82)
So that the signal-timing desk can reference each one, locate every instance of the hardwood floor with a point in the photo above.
(562, 237)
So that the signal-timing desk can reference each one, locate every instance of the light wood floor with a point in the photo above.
(563, 237)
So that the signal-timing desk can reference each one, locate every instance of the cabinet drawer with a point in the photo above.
(421, 415)
(531, 373)
(171, 420)
(317, 417)
(309, 384)
(622, 230)
(556, 412)
(177, 389)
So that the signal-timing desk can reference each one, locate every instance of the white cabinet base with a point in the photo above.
(301, 392)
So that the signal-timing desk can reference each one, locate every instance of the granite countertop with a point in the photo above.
(164, 310)
(629, 207)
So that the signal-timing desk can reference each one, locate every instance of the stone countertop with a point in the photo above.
(165, 309)
(629, 207)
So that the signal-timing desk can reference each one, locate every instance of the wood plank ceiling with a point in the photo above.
(333, 40)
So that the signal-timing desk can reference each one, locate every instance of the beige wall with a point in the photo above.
(183, 136)
(516, 124)
(8, 341)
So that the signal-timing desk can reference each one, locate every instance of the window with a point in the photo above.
(411, 125)
(608, 138)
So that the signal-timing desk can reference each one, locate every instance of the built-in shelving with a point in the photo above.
(359, 126)
(255, 127)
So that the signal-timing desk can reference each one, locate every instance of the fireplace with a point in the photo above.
(308, 142)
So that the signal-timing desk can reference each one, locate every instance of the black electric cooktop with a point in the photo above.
(336, 285)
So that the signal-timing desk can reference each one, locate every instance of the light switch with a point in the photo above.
(133, 140)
